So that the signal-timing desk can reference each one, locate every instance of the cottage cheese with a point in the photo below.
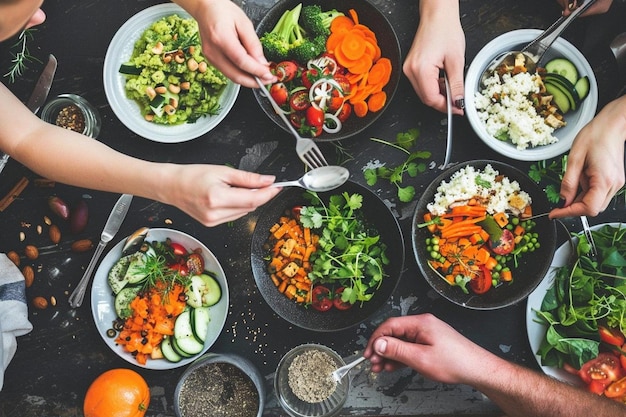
(512, 116)
(498, 193)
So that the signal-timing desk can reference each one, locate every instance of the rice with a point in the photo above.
(496, 192)
(512, 116)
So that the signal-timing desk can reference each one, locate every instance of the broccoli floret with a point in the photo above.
(286, 36)
(309, 49)
(317, 22)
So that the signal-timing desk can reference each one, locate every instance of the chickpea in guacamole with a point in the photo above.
(168, 76)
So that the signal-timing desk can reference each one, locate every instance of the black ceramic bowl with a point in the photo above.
(370, 16)
(375, 211)
(532, 266)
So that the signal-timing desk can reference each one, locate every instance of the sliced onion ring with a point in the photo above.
(335, 119)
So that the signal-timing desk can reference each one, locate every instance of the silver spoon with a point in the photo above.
(532, 53)
(319, 179)
(339, 373)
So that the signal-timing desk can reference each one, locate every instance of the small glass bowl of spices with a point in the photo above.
(303, 383)
(72, 112)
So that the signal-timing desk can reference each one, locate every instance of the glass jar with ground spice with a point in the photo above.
(303, 383)
(72, 112)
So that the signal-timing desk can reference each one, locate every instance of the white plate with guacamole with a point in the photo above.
(128, 110)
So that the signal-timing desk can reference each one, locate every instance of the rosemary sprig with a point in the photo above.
(21, 55)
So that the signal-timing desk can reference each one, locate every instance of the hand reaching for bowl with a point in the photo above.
(439, 44)
(595, 165)
(229, 41)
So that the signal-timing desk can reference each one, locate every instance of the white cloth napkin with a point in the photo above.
(13, 311)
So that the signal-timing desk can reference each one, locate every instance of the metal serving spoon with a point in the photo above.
(532, 53)
(319, 179)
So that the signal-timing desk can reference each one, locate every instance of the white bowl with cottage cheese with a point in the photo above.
(535, 141)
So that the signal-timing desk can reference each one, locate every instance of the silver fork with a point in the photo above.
(306, 149)
(593, 252)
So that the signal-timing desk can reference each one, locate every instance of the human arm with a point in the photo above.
(229, 40)
(595, 165)
(439, 44)
(210, 194)
(437, 351)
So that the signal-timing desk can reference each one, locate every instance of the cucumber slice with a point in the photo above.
(200, 320)
(194, 291)
(177, 348)
(582, 87)
(130, 69)
(189, 345)
(116, 277)
(123, 300)
(213, 292)
(559, 97)
(168, 350)
(563, 67)
(182, 327)
(185, 342)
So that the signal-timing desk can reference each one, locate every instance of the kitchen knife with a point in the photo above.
(110, 229)
(38, 96)
(42, 88)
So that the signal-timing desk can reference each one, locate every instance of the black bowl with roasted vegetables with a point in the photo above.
(370, 246)
(338, 92)
(475, 237)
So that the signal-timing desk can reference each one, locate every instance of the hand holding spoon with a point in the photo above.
(320, 179)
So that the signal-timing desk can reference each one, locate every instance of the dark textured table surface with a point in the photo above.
(56, 362)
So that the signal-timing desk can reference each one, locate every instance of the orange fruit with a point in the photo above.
(117, 393)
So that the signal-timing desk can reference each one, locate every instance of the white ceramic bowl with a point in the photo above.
(103, 301)
(576, 120)
(119, 51)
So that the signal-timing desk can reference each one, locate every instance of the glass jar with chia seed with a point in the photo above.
(72, 112)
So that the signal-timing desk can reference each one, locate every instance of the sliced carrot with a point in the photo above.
(333, 41)
(360, 108)
(354, 16)
(362, 65)
(353, 45)
(340, 24)
(506, 275)
(376, 101)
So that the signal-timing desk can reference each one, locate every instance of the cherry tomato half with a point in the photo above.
(299, 101)
(622, 357)
(603, 369)
(286, 71)
(504, 245)
(616, 389)
(309, 77)
(279, 93)
(613, 337)
(195, 263)
(181, 268)
(346, 111)
(338, 302)
(481, 281)
(314, 116)
(321, 298)
(178, 249)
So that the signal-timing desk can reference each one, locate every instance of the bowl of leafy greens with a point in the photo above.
(327, 261)
(579, 303)
(338, 65)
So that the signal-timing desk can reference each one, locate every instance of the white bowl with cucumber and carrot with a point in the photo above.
(530, 117)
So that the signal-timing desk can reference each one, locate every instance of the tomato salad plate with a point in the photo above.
(475, 238)
(338, 65)
(159, 299)
(565, 335)
(327, 261)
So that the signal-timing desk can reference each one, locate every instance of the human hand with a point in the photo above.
(229, 41)
(595, 164)
(599, 7)
(429, 346)
(439, 44)
(216, 194)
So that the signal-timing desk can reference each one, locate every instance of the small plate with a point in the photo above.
(103, 302)
(536, 330)
(532, 267)
(375, 210)
(120, 50)
(576, 120)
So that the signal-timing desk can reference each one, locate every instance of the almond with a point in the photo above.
(31, 252)
(82, 245)
(29, 275)
(14, 257)
(40, 303)
(55, 234)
